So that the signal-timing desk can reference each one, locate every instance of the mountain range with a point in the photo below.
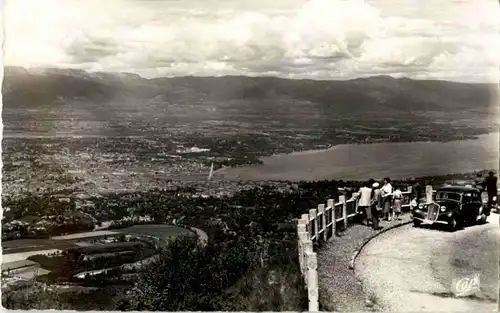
(29, 88)
(69, 101)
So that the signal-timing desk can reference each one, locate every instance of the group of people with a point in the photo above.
(374, 199)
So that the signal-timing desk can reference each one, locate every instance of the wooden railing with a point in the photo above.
(320, 224)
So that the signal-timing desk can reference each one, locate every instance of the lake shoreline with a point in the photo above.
(364, 161)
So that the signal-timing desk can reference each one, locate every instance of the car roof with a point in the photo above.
(458, 189)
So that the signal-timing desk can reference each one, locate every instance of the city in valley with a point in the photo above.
(243, 172)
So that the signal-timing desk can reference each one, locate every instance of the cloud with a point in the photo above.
(322, 39)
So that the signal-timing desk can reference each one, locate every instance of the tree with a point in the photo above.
(187, 277)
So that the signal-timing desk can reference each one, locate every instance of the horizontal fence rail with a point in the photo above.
(320, 224)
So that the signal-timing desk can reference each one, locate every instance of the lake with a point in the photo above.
(364, 161)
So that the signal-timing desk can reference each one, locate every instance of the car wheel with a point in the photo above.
(453, 224)
(472, 220)
(417, 223)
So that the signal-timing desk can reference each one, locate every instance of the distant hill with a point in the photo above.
(27, 88)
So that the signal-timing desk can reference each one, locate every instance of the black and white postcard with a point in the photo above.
(250, 155)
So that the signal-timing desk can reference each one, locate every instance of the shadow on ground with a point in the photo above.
(442, 227)
(473, 297)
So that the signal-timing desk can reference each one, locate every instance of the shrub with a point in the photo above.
(34, 295)
(275, 289)
(187, 277)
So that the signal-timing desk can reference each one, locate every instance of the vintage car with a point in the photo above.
(454, 206)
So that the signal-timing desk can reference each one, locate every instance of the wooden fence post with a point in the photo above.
(301, 227)
(428, 194)
(344, 210)
(410, 196)
(312, 279)
(308, 248)
(355, 196)
(305, 217)
(331, 204)
(321, 210)
(302, 234)
(313, 221)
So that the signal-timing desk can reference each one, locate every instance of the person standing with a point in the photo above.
(398, 203)
(387, 199)
(479, 182)
(365, 193)
(371, 181)
(417, 191)
(491, 189)
(375, 204)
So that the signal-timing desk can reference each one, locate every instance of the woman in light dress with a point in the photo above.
(364, 198)
(398, 203)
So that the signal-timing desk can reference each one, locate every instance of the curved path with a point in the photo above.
(411, 269)
(202, 236)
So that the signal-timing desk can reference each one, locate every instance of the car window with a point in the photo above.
(477, 198)
(444, 195)
(467, 198)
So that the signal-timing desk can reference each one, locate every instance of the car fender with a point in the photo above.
(454, 213)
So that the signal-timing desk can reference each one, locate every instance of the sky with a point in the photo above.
(317, 39)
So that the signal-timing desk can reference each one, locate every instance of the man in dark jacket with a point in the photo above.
(376, 205)
(416, 191)
(491, 188)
